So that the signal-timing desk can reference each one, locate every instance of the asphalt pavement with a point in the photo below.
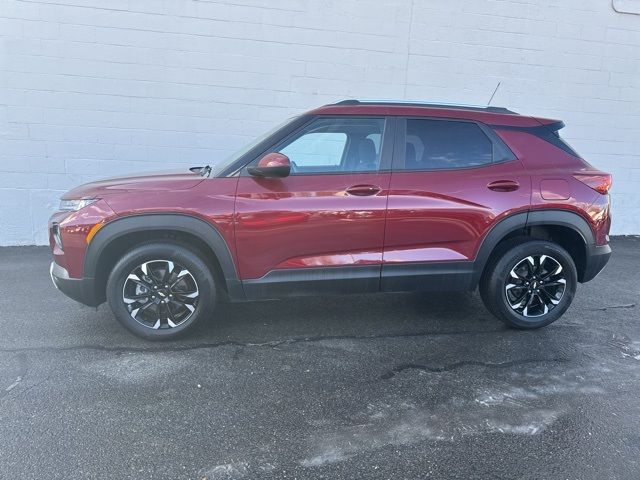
(355, 387)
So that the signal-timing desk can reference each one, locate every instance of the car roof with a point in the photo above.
(486, 114)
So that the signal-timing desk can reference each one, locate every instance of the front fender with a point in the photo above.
(170, 223)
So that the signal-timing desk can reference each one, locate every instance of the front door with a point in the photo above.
(321, 229)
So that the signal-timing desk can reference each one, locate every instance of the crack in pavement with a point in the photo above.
(272, 344)
(453, 366)
(603, 309)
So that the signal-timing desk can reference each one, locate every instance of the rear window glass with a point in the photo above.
(439, 145)
(553, 137)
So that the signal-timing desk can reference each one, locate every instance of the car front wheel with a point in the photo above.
(160, 291)
(529, 285)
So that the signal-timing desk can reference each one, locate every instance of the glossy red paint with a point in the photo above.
(274, 159)
(444, 215)
(74, 227)
(211, 200)
(554, 189)
(544, 163)
(152, 182)
(308, 220)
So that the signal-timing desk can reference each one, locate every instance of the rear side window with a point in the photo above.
(444, 144)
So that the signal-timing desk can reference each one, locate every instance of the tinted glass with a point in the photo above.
(336, 145)
(438, 144)
(554, 138)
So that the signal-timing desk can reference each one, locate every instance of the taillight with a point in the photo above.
(600, 182)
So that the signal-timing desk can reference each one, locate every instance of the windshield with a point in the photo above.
(222, 165)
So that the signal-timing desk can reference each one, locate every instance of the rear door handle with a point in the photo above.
(503, 186)
(363, 190)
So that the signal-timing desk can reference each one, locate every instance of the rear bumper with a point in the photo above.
(597, 258)
(80, 289)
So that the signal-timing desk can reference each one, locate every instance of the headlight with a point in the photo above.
(74, 205)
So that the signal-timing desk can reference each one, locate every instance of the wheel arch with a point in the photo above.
(566, 228)
(124, 233)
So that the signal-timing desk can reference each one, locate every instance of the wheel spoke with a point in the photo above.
(537, 265)
(135, 298)
(171, 321)
(556, 271)
(155, 275)
(525, 312)
(545, 308)
(181, 274)
(186, 295)
(135, 279)
(515, 274)
(520, 301)
(552, 299)
(146, 306)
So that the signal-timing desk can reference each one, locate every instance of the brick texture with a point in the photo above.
(90, 88)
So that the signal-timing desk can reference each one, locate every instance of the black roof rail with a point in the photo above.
(409, 103)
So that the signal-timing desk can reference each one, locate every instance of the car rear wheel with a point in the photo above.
(529, 285)
(160, 291)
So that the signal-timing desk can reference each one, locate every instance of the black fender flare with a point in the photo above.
(169, 222)
(523, 220)
(563, 218)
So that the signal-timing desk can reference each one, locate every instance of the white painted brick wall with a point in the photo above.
(93, 88)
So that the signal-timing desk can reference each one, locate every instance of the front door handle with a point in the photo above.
(503, 186)
(363, 190)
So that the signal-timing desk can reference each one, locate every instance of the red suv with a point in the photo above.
(354, 197)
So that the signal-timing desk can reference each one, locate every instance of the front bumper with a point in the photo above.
(80, 289)
(597, 258)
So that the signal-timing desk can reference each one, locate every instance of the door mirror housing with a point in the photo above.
(271, 165)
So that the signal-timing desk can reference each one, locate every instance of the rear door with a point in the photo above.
(321, 229)
(452, 181)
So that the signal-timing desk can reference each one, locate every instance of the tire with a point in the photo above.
(508, 282)
(170, 285)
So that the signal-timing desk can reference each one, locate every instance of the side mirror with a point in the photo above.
(271, 165)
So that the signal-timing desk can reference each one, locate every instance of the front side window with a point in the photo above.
(335, 145)
(444, 144)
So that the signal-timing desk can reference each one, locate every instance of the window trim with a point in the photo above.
(497, 145)
(386, 146)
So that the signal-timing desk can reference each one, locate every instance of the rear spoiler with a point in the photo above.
(547, 131)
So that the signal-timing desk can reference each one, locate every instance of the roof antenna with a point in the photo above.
(492, 95)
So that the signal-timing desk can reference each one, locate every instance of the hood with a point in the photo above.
(159, 181)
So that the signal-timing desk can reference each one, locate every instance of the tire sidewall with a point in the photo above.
(160, 251)
(509, 260)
